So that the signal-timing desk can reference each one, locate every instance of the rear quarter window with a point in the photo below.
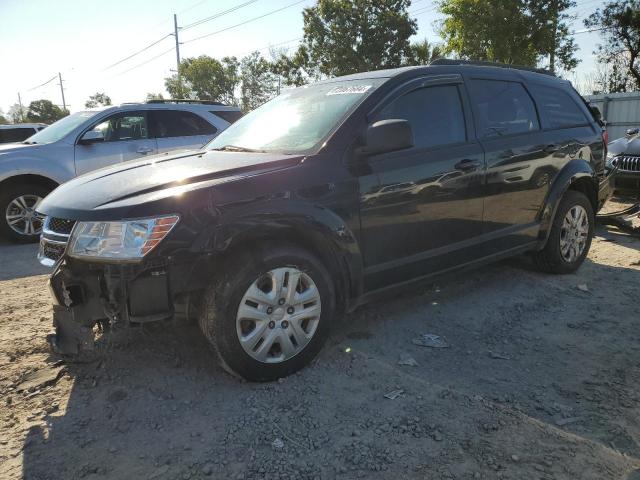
(230, 116)
(558, 107)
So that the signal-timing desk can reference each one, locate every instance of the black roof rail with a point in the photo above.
(448, 61)
(186, 100)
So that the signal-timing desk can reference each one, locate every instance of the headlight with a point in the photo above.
(609, 160)
(126, 240)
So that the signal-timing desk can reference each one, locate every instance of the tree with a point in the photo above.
(3, 119)
(205, 78)
(17, 114)
(349, 36)
(257, 83)
(98, 100)
(514, 32)
(619, 25)
(422, 53)
(154, 96)
(43, 111)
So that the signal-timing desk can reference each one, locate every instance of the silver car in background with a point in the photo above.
(92, 139)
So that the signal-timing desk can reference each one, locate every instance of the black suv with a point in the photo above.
(323, 198)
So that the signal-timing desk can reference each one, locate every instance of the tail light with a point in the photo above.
(605, 142)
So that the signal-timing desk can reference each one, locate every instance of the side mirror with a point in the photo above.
(632, 131)
(387, 136)
(92, 136)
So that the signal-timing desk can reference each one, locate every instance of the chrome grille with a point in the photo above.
(627, 163)
(54, 239)
(60, 225)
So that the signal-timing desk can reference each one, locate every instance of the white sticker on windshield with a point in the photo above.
(349, 90)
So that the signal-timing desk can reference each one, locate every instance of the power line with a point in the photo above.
(43, 84)
(144, 63)
(245, 22)
(136, 53)
(217, 15)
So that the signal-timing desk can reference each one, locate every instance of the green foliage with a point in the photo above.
(43, 111)
(17, 114)
(619, 22)
(3, 119)
(422, 53)
(98, 100)
(515, 31)
(205, 78)
(349, 36)
(257, 83)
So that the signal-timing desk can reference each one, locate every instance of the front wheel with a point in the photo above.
(267, 315)
(18, 219)
(570, 237)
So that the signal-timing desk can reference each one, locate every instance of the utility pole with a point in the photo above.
(175, 34)
(21, 108)
(554, 40)
(64, 104)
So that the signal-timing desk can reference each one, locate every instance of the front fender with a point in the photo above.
(292, 220)
(574, 171)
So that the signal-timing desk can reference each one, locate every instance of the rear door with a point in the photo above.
(179, 129)
(521, 158)
(120, 137)
(422, 206)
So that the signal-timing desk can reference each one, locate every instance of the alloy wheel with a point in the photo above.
(21, 215)
(278, 315)
(574, 233)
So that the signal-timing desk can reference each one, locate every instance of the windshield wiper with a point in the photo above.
(235, 148)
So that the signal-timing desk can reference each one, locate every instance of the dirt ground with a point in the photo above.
(541, 380)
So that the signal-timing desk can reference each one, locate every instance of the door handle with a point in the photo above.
(551, 148)
(468, 165)
(144, 150)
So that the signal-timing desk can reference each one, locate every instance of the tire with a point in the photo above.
(289, 341)
(554, 257)
(12, 202)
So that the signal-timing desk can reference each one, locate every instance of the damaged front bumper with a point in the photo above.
(87, 296)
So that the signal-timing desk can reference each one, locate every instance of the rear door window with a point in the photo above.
(434, 113)
(502, 108)
(176, 123)
(557, 107)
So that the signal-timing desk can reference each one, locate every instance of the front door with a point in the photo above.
(421, 206)
(119, 138)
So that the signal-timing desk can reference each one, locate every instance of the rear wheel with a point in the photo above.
(268, 316)
(570, 237)
(18, 219)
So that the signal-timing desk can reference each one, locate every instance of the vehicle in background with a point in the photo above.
(624, 153)
(17, 132)
(92, 139)
(322, 199)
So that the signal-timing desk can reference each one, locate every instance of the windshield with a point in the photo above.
(59, 129)
(296, 121)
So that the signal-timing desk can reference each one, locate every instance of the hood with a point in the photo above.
(627, 145)
(114, 190)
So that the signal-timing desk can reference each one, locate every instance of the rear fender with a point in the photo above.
(575, 172)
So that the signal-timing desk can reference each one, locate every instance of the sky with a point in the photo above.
(82, 40)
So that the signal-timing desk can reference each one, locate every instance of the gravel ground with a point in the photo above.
(540, 380)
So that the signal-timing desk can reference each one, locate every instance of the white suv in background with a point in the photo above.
(17, 132)
(91, 139)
